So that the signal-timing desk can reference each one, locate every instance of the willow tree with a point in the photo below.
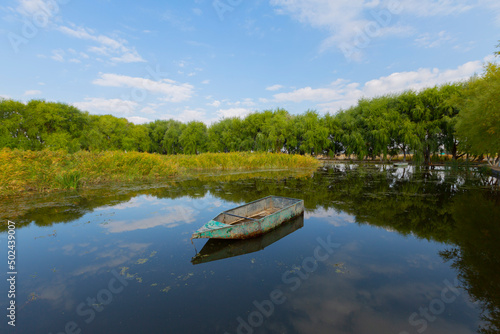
(157, 130)
(311, 135)
(406, 134)
(275, 130)
(194, 138)
(225, 135)
(429, 113)
(137, 138)
(252, 131)
(478, 122)
(12, 134)
(171, 138)
(376, 125)
(352, 132)
(449, 108)
(335, 133)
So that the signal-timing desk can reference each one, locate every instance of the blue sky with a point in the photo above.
(205, 59)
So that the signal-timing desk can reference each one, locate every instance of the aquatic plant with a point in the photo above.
(69, 180)
(40, 171)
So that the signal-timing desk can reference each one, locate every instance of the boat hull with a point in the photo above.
(218, 249)
(238, 224)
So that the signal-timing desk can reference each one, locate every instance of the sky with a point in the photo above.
(206, 60)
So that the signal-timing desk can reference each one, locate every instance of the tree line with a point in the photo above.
(460, 119)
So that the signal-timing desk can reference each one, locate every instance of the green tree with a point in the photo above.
(335, 134)
(352, 132)
(12, 132)
(404, 132)
(226, 135)
(478, 123)
(157, 130)
(137, 138)
(275, 130)
(428, 114)
(171, 139)
(311, 134)
(194, 138)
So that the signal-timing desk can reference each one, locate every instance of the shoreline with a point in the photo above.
(27, 172)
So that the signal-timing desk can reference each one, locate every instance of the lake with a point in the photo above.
(378, 250)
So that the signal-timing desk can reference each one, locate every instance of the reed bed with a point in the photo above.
(41, 171)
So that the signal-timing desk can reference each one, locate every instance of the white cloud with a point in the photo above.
(148, 110)
(181, 23)
(138, 120)
(6, 97)
(189, 114)
(428, 40)
(200, 114)
(32, 92)
(170, 90)
(38, 8)
(233, 112)
(43, 12)
(308, 94)
(215, 104)
(342, 94)
(494, 5)
(98, 105)
(426, 8)
(420, 79)
(58, 55)
(353, 24)
(205, 82)
(245, 102)
(129, 57)
(115, 48)
(274, 87)
(347, 21)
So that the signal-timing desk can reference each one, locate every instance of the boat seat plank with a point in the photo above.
(255, 216)
(231, 214)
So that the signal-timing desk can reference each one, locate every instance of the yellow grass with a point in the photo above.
(28, 171)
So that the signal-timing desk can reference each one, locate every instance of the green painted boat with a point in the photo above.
(400, 164)
(252, 219)
(218, 249)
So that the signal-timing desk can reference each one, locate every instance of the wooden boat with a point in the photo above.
(218, 249)
(400, 164)
(252, 219)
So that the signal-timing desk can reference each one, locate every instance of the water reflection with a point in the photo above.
(217, 249)
(174, 216)
(396, 226)
(475, 253)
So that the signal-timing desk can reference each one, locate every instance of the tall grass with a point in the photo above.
(69, 180)
(22, 171)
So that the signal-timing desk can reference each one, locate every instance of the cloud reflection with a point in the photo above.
(178, 214)
(332, 216)
(344, 303)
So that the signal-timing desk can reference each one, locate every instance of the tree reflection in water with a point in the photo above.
(458, 209)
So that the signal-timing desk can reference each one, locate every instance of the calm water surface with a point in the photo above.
(378, 250)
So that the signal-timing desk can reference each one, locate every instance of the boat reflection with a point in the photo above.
(218, 249)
